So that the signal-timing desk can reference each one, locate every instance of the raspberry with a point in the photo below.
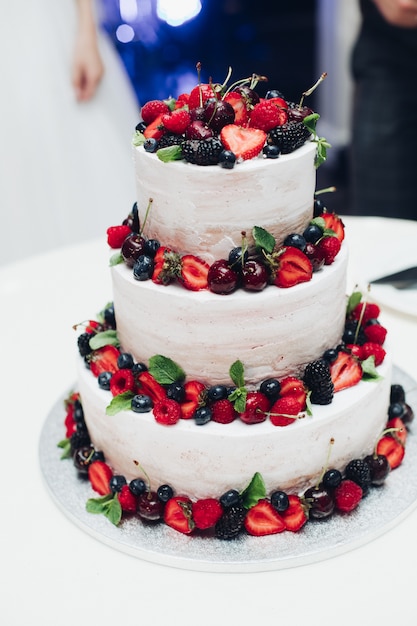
(117, 234)
(265, 116)
(223, 412)
(177, 121)
(127, 500)
(206, 513)
(373, 349)
(371, 311)
(347, 496)
(318, 380)
(152, 109)
(375, 333)
(167, 412)
(122, 381)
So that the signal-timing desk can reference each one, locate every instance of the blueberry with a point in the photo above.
(202, 415)
(98, 455)
(151, 247)
(165, 493)
(150, 144)
(216, 392)
(270, 388)
(176, 391)
(280, 501)
(332, 478)
(271, 151)
(116, 483)
(396, 409)
(235, 260)
(141, 403)
(230, 498)
(319, 207)
(273, 93)
(125, 361)
(138, 368)
(397, 393)
(313, 233)
(295, 240)
(330, 355)
(137, 486)
(109, 316)
(227, 159)
(103, 380)
(143, 267)
(140, 127)
(78, 412)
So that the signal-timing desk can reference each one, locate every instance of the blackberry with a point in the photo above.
(170, 139)
(289, 136)
(79, 439)
(83, 343)
(231, 522)
(202, 152)
(358, 471)
(318, 380)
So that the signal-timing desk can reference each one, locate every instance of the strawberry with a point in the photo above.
(155, 130)
(99, 474)
(347, 496)
(293, 267)
(128, 501)
(206, 513)
(262, 519)
(223, 412)
(150, 387)
(153, 109)
(295, 516)
(193, 397)
(239, 104)
(294, 387)
(199, 95)
(329, 247)
(345, 371)
(370, 310)
(117, 234)
(182, 101)
(121, 381)
(245, 143)
(375, 333)
(393, 448)
(178, 514)
(167, 266)
(373, 349)
(177, 121)
(400, 430)
(266, 115)
(194, 272)
(188, 409)
(104, 360)
(283, 409)
(334, 223)
(167, 412)
(256, 408)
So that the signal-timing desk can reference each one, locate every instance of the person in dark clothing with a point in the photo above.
(384, 125)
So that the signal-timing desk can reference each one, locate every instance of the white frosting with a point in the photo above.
(274, 332)
(204, 461)
(203, 210)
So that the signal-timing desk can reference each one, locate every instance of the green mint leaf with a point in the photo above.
(310, 122)
(369, 370)
(321, 154)
(254, 492)
(116, 259)
(238, 398)
(309, 406)
(164, 370)
(263, 239)
(122, 402)
(106, 338)
(237, 373)
(138, 138)
(65, 445)
(320, 222)
(170, 153)
(108, 505)
(170, 102)
(353, 301)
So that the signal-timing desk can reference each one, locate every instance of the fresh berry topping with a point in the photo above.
(176, 391)
(141, 403)
(231, 522)
(289, 137)
(271, 388)
(270, 151)
(202, 152)
(153, 109)
(296, 240)
(313, 233)
(263, 519)
(347, 496)
(165, 493)
(197, 130)
(329, 248)
(99, 475)
(218, 113)
(345, 371)
(292, 267)
(332, 478)
(117, 234)
(230, 498)
(365, 311)
(202, 415)
(154, 129)
(397, 428)
(83, 343)
(167, 412)
(285, 411)
(373, 349)
(397, 393)
(294, 387)
(199, 95)
(143, 267)
(177, 121)
(122, 381)
(392, 448)
(280, 501)
(254, 275)
(333, 222)
(266, 115)
(194, 391)
(319, 501)
(375, 333)
(256, 408)
(379, 468)
(150, 387)
(358, 471)
(132, 247)
(216, 392)
(137, 486)
(206, 513)
(221, 278)
(227, 159)
(116, 483)
(103, 360)
(318, 379)
(245, 143)
(240, 106)
(151, 145)
(223, 412)
(295, 516)
(127, 500)
(150, 507)
(194, 272)
(178, 514)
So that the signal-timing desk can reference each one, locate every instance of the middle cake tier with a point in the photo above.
(274, 333)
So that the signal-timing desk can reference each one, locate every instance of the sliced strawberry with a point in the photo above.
(206, 512)
(155, 130)
(182, 101)
(117, 234)
(194, 272)
(334, 223)
(293, 386)
(122, 381)
(345, 371)
(104, 360)
(193, 397)
(150, 387)
(128, 501)
(167, 411)
(176, 122)
(373, 349)
(294, 267)
(295, 516)
(153, 109)
(347, 496)
(239, 104)
(167, 266)
(392, 448)
(99, 474)
(283, 409)
(245, 143)
(400, 432)
(262, 519)
(178, 514)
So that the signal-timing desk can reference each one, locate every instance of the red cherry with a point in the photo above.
(256, 409)
(150, 506)
(254, 276)
(221, 278)
(198, 130)
(133, 246)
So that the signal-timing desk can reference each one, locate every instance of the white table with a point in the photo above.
(54, 573)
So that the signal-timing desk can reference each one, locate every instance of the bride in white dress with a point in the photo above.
(68, 113)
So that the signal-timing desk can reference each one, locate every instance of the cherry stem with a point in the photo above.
(147, 213)
(326, 465)
(310, 91)
(325, 190)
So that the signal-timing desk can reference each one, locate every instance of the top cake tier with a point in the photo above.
(203, 210)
